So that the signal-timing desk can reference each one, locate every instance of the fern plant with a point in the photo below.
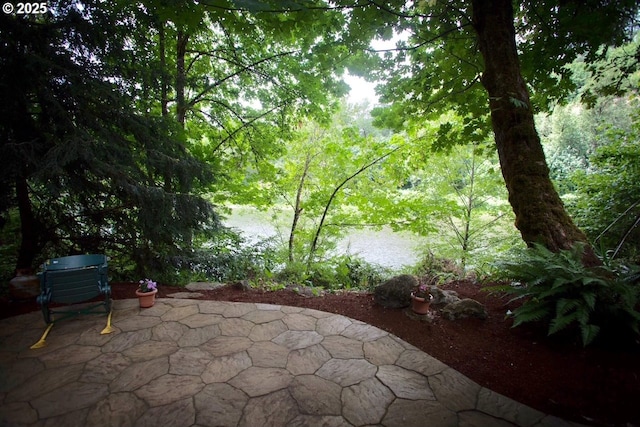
(559, 290)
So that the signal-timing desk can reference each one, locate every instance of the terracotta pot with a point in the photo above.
(420, 305)
(146, 299)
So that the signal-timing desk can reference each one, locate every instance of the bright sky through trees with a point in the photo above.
(361, 90)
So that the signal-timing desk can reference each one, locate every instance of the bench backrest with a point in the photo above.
(74, 279)
(75, 261)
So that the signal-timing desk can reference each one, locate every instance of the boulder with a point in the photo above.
(395, 292)
(306, 291)
(203, 286)
(185, 295)
(443, 297)
(426, 318)
(464, 308)
(241, 285)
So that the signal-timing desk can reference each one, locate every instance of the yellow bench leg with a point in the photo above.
(108, 329)
(41, 343)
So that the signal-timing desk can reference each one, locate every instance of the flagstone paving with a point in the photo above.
(209, 363)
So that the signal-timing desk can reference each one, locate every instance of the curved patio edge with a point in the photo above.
(185, 362)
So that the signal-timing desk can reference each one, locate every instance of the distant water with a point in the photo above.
(384, 247)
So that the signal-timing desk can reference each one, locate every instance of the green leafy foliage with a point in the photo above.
(558, 290)
(334, 273)
(594, 118)
(224, 258)
(456, 199)
(329, 179)
(606, 202)
(439, 63)
(90, 171)
(118, 118)
(437, 67)
(438, 270)
(615, 73)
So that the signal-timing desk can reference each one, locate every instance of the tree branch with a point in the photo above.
(334, 194)
(244, 68)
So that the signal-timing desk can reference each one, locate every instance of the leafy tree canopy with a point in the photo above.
(607, 202)
(87, 169)
(119, 118)
(439, 65)
(517, 53)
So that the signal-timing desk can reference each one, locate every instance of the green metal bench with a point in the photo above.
(72, 280)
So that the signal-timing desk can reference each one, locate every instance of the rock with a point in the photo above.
(427, 318)
(203, 286)
(395, 292)
(241, 285)
(464, 308)
(24, 285)
(306, 291)
(443, 297)
(185, 295)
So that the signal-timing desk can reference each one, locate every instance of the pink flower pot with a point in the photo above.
(420, 305)
(146, 299)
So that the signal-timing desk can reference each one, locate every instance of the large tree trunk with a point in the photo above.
(164, 85)
(29, 243)
(540, 213)
(181, 76)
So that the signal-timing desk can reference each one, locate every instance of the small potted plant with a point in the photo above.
(421, 300)
(146, 293)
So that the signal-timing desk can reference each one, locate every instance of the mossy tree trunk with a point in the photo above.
(540, 213)
(181, 76)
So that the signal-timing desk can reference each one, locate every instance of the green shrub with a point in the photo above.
(559, 290)
(294, 272)
(439, 270)
(228, 258)
(324, 275)
(339, 272)
(359, 273)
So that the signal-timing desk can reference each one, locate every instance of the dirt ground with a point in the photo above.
(599, 385)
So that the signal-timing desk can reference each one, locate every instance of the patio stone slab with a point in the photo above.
(316, 396)
(199, 336)
(117, 409)
(260, 381)
(268, 355)
(275, 409)
(307, 360)
(366, 402)
(138, 374)
(220, 404)
(294, 340)
(222, 369)
(267, 331)
(181, 413)
(347, 372)
(404, 383)
(75, 395)
(169, 388)
(343, 348)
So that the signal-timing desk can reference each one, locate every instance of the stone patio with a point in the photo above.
(208, 363)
